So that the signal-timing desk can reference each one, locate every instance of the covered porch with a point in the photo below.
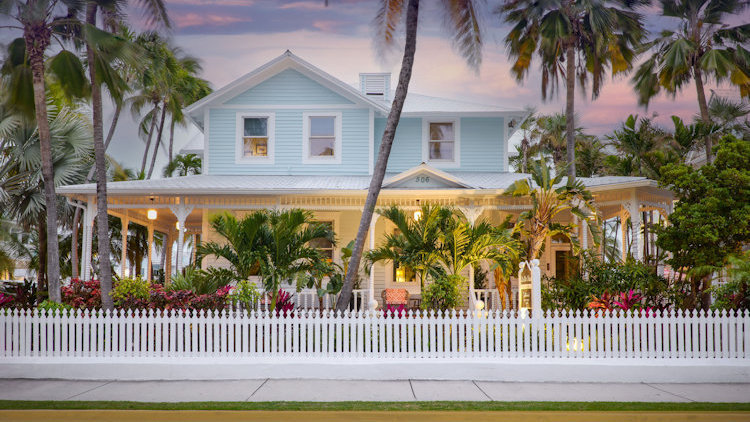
(180, 208)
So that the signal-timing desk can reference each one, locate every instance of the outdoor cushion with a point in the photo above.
(396, 296)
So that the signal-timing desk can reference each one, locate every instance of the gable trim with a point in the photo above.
(424, 168)
(275, 66)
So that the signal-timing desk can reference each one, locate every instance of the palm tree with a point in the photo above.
(638, 141)
(465, 244)
(703, 47)
(39, 25)
(184, 165)
(549, 198)
(730, 116)
(416, 245)
(187, 89)
(574, 40)
(274, 244)
(530, 130)
(589, 156)
(462, 23)
(71, 155)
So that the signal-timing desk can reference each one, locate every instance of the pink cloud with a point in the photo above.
(307, 5)
(196, 19)
(212, 2)
(326, 26)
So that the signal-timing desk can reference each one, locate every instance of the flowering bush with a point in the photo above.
(6, 301)
(82, 294)
(394, 312)
(284, 304)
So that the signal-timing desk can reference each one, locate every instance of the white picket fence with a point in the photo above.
(309, 334)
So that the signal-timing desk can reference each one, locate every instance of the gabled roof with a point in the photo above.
(283, 62)
(424, 176)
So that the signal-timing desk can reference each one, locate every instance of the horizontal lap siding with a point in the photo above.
(482, 144)
(288, 87)
(288, 144)
(406, 151)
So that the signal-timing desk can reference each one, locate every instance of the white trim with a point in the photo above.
(239, 153)
(302, 107)
(456, 162)
(206, 132)
(337, 149)
(425, 168)
(371, 143)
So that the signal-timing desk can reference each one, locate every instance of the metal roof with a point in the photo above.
(268, 184)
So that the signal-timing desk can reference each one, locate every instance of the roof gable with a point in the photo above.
(272, 68)
(424, 177)
(288, 87)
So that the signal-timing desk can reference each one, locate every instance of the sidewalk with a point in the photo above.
(329, 390)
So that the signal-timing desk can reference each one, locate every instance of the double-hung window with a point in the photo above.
(321, 135)
(255, 143)
(441, 142)
(325, 246)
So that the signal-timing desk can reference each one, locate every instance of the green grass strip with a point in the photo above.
(380, 406)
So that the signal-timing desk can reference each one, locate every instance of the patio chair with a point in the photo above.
(395, 297)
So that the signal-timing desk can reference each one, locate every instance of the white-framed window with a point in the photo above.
(441, 142)
(321, 138)
(255, 137)
(325, 246)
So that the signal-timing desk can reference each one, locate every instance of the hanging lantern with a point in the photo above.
(151, 214)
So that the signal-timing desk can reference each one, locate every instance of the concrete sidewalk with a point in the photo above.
(329, 390)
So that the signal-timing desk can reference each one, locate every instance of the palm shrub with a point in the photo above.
(550, 198)
(417, 243)
(201, 282)
(443, 293)
(272, 244)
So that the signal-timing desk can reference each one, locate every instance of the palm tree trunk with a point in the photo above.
(100, 163)
(376, 182)
(158, 140)
(570, 86)
(150, 135)
(113, 125)
(703, 106)
(41, 277)
(171, 137)
(37, 36)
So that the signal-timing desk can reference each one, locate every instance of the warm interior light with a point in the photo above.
(177, 225)
(417, 215)
(151, 214)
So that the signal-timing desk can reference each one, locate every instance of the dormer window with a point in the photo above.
(255, 138)
(440, 142)
(321, 137)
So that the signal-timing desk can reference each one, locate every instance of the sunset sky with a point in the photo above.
(233, 37)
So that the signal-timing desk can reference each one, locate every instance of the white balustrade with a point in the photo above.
(308, 333)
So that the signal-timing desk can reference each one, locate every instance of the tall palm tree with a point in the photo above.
(731, 117)
(637, 140)
(38, 22)
(416, 245)
(188, 89)
(574, 40)
(184, 165)
(589, 156)
(702, 47)
(462, 24)
(530, 131)
(549, 198)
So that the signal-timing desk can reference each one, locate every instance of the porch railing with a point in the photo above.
(133, 335)
(492, 300)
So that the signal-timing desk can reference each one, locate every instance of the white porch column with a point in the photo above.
(623, 235)
(536, 288)
(636, 233)
(125, 221)
(88, 234)
(149, 265)
(181, 212)
(371, 302)
(585, 234)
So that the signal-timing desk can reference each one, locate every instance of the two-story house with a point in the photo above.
(288, 135)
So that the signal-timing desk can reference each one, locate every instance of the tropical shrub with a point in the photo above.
(444, 293)
(18, 295)
(246, 294)
(284, 303)
(596, 280)
(129, 291)
(6, 301)
(82, 294)
(734, 294)
(202, 281)
(49, 305)
(391, 311)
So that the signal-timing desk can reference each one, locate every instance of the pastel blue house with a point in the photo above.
(288, 134)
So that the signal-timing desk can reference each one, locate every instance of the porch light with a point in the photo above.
(151, 214)
(417, 215)
(177, 225)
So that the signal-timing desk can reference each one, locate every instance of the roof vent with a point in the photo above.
(375, 85)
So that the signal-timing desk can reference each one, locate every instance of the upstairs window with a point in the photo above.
(441, 142)
(255, 137)
(322, 138)
(255, 140)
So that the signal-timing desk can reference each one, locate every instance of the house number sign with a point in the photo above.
(422, 179)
